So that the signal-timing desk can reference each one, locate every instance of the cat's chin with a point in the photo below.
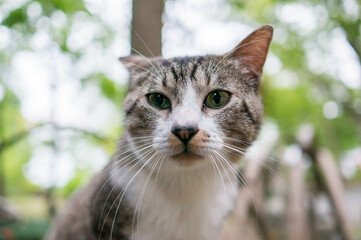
(187, 158)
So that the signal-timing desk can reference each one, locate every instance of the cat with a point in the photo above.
(189, 121)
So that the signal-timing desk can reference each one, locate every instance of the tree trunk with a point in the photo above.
(297, 221)
(147, 27)
(335, 187)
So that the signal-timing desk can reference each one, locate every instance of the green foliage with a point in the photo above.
(15, 17)
(289, 107)
(11, 116)
(77, 181)
(15, 150)
(66, 6)
(292, 107)
(29, 230)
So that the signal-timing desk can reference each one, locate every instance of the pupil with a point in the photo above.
(217, 98)
(160, 100)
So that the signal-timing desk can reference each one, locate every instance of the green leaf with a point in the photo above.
(109, 88)
(16, 16)
(67, 6)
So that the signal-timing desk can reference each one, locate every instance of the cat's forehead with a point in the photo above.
(199, 72)
(179, 71)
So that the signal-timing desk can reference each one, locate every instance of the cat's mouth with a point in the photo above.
(186, 156)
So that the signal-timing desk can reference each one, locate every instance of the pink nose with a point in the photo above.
(184, 133)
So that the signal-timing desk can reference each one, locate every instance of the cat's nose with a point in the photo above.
(185, 133)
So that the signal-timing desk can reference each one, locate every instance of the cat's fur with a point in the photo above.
(155, 188)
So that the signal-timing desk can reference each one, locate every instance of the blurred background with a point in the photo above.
(61, 92)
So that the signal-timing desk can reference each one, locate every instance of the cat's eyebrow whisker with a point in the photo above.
(147, 70)
(141, 39)
(225, 56)
(229, 53)
(210, 65)
(236, 48)
(146, 59)
(231, 62)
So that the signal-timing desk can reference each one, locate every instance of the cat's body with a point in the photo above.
(173, 176)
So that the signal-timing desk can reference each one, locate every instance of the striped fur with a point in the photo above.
(156, 186)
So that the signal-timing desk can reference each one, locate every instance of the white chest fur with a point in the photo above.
(183, 206)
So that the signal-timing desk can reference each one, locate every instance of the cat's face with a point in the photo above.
(198, 109)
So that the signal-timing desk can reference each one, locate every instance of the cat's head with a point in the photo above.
(197, 109)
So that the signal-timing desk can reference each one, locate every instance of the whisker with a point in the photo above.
(115, 185)
(225, 56)
(116, 212)
(145, 69)
(160, 69)
(236, 149)
(111, 166)
(225, 171)
(244, 183)
(142, 194)
(159, 75)
(107, 169)
(220, 175)
(164, 157)
(126, 139)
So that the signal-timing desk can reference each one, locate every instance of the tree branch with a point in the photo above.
(19, 136)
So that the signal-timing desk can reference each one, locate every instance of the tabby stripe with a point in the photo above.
(174, 74)
(195, 66)
(131, 109)
(181, 74)
(249, 112)
(164, 81)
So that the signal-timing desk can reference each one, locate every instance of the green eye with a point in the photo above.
(159, 100)
(217, 99)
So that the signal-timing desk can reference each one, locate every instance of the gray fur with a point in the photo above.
(238, 72)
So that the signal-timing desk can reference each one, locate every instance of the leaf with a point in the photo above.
(67, 6)
(16, 16)
(108, 88)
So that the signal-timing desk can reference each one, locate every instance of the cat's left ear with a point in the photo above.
(134, 61)
(252, 51)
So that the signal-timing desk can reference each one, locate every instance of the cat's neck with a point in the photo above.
(171, 179)
(186, 204)
(190, 203)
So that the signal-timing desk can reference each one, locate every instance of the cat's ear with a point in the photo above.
(134, 61)
(252, 51)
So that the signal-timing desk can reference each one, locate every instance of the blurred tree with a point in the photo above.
(147, 27)
(289, 107)
(22, 21)
(305, 102)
